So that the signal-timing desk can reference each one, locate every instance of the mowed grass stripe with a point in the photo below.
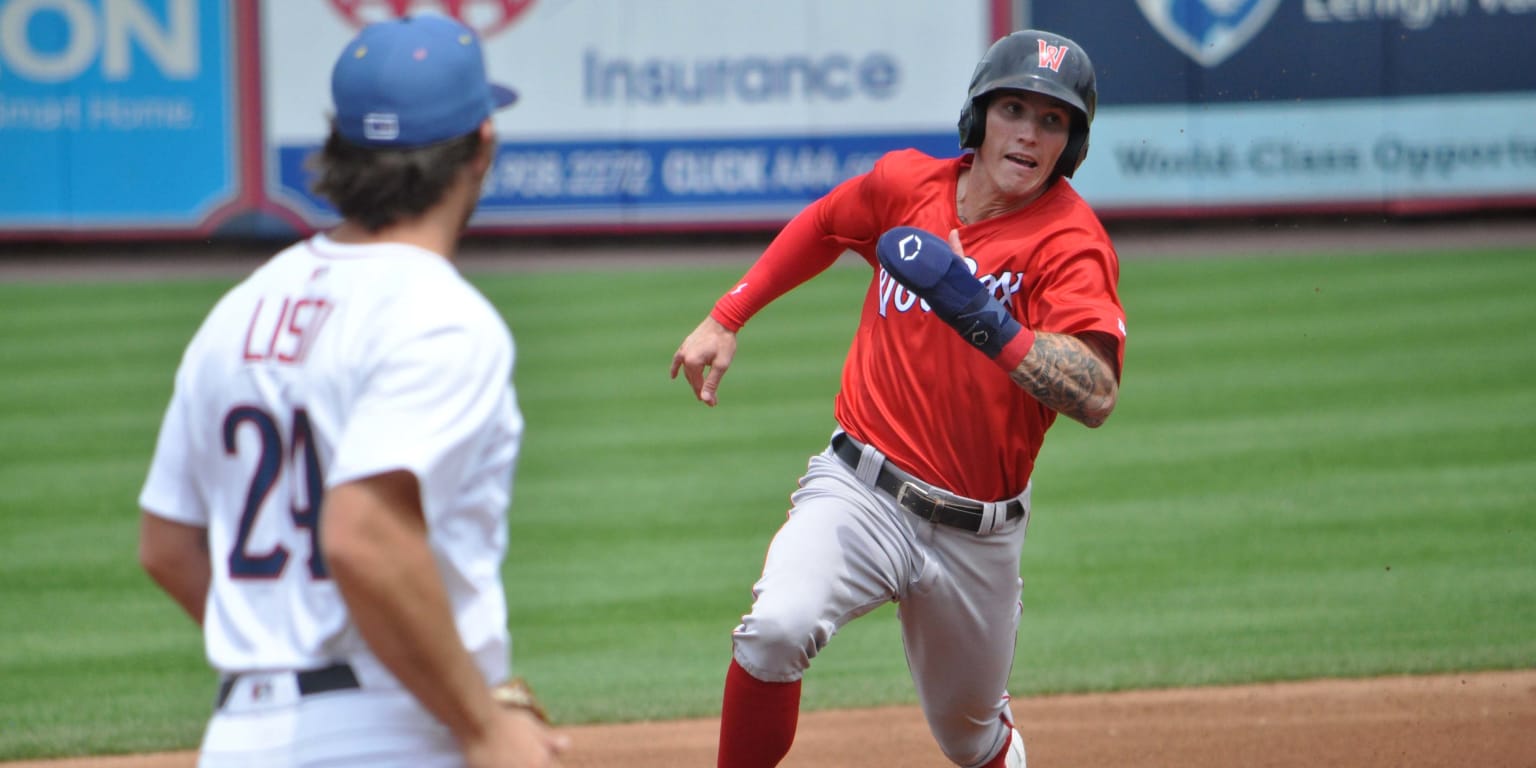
(1320, 466)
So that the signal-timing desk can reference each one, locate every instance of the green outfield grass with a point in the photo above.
(1320, 466)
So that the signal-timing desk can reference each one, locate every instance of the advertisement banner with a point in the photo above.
(115, 114)
(1210, 106)
(658, 112)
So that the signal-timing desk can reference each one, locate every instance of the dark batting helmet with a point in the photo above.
(1038, 62)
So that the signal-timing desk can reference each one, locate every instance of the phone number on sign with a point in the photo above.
(678, 172)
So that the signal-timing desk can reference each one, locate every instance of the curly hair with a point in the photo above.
(379, 187)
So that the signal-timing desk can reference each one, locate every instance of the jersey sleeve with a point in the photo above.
(810, 243)
(424, 406)
(170, 490)
(1078, 293)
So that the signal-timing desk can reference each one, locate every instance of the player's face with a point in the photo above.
(1026, 133)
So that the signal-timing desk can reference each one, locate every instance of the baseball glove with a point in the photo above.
(516, 694)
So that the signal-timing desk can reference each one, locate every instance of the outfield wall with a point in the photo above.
(192, 118)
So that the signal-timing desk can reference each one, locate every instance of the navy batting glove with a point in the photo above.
(926, 265)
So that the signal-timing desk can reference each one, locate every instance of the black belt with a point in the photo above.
(337, 677)
(918, 497)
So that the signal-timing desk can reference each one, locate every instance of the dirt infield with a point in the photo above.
(1486, 720)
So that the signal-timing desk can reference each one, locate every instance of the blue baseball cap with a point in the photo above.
(413, 81)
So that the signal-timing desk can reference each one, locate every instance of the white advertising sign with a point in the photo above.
(659, 111)
(1311, 154)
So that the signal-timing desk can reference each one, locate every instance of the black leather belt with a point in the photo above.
(337, 677)
(918, 497)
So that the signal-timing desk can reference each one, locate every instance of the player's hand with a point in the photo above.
(704, 357)
(516, 739)
(954, 244)
(936, 272)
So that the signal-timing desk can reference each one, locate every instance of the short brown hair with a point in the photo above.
(379, 187)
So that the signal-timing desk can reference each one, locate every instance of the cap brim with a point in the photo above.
(502, 96)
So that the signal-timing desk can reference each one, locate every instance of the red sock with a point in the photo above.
(1001, 760)
(757, 720)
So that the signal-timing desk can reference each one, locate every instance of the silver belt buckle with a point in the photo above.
(909, 487)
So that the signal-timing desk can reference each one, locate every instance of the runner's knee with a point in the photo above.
(965, 742)
(777, 647)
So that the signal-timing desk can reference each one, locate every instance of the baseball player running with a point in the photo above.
(992, 308)
(328, 494)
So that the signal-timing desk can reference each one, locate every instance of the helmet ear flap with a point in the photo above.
(1073, 154)
(972, 126)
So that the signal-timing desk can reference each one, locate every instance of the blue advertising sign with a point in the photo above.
(115, 113)
(659, 181)
(1268, 105)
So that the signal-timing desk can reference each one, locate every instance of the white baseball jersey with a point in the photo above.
(332, 363)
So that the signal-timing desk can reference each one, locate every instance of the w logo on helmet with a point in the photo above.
(1051, 56)
(1208, 31)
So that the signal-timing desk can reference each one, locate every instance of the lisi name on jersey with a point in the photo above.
(285, 332)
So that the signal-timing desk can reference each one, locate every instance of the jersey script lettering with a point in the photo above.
(285, 334)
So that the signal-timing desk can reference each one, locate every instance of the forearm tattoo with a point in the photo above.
(1069, 376)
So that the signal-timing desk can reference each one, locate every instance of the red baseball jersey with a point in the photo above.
(911, 386)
